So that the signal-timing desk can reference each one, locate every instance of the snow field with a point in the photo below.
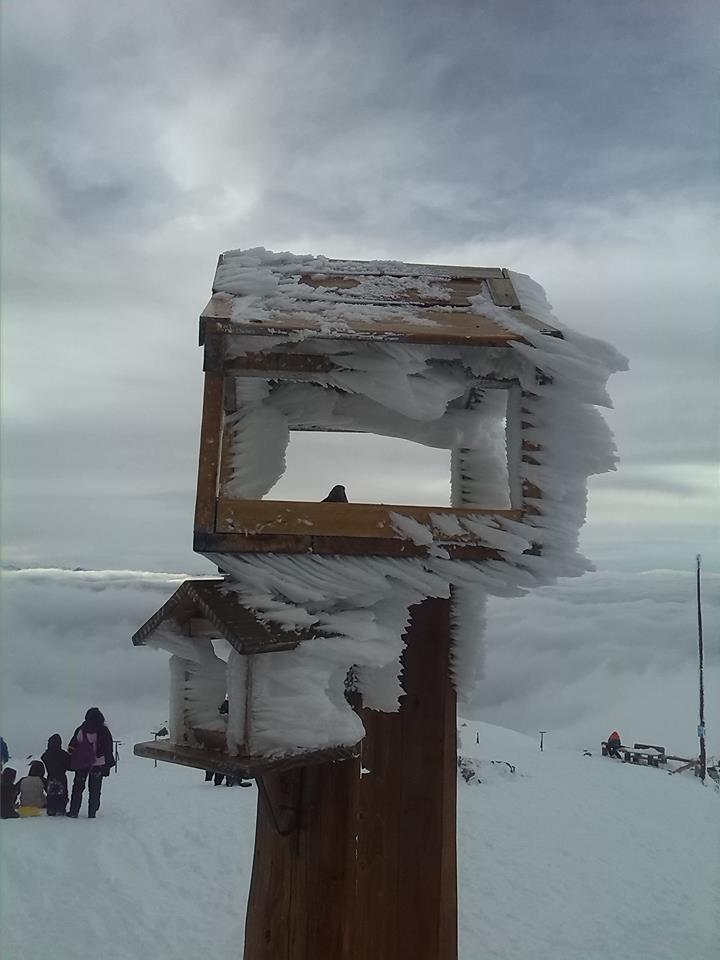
(570, 858)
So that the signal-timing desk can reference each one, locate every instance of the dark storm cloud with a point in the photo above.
(568, 139)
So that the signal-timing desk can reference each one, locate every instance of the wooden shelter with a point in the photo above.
(219, 649)
(285, 344)
(347, 866)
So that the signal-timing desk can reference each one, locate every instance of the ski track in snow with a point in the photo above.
(570, 858)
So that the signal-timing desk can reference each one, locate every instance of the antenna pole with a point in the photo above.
(701, 726)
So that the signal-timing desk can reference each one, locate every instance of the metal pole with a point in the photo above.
(701, 727)
(542, 738)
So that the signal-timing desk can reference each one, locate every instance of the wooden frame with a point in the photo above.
(231, 525)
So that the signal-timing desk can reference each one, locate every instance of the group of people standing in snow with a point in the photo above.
(89, 755)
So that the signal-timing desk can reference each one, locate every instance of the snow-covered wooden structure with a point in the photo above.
(220, 666)
(350, 627)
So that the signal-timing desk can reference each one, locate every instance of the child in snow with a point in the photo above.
(32, 791)
(57, 763)
(8, 794)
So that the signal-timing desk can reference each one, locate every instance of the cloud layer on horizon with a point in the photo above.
(607, 651)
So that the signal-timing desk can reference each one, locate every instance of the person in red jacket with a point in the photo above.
(614, 743)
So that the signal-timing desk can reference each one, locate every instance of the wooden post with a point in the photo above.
(407, 861)
(302, 886)
(351, 867)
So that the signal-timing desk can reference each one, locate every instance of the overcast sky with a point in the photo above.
(575, 140)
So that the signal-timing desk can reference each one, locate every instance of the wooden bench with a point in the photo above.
(637, 756)
(640, 753)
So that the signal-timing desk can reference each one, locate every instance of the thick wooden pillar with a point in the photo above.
(303, 880)
(406, 903)
(351, 867)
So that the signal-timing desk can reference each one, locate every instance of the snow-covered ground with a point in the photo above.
(568, 858)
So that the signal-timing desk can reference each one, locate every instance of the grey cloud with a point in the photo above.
(653, 483)
(141, 142)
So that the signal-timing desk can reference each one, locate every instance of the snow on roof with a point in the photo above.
(209, 599)
(261, 292)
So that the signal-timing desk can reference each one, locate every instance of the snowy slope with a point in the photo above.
(568, 858)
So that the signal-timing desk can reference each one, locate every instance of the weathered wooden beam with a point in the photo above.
(406, 902)
(442, 292)
(209, 460)
(233, 543)
(460, 327)
(531, 453)
(270, 363)
(246, 766)
(503, 293)
(370, 520)
(418, 270)
(366, 869)
(303, 880)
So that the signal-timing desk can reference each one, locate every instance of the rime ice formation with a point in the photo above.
(357, 607)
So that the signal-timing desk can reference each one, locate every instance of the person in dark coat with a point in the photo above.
(336, 495)
(8, 794)
(57, 763)
(91, 757)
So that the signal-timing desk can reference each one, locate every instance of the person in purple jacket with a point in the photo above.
(91, 757)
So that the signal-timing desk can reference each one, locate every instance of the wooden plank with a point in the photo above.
(279, 363)
(372, 520)
(388, 268)
(214, 544)
(204, 542)
(422, 270)
(531, 453)
(450, 293)
(247, 766)
(503, 293)
(214, 352)
(303, 883)
(429, 326)
(209, 459)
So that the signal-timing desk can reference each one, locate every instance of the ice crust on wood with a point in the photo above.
(437, 395)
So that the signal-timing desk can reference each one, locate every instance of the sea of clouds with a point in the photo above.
(611, 650)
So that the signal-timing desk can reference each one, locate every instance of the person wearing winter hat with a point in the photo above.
(8, 794)
(91, 757)
(57, 763)
(32, 791)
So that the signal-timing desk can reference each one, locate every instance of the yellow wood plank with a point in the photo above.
(367, 520)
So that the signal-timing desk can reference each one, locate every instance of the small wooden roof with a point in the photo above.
(367, 300)
(211, 601)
